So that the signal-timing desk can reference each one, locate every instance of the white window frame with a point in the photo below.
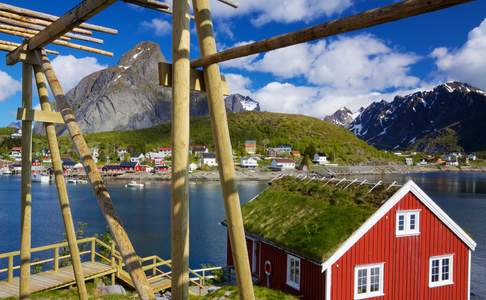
(368, 268)
(441, 282)
(291, 283)
(407, 231)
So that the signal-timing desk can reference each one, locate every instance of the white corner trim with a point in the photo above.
(410, 186)
(469, 277)
(328, 283)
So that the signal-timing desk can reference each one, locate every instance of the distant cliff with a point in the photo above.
(128, 96)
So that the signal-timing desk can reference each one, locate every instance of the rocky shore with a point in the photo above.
(257, 175)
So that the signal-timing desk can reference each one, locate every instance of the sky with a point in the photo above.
(315, 78)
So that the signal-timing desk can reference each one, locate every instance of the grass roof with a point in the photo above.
(311, 218)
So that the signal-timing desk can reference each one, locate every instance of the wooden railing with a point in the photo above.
(100, 251)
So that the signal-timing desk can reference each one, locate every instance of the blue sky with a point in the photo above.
(315, 78)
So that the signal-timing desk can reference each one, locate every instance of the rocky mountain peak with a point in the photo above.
(239, 103)
(342, 117)
(401, 123)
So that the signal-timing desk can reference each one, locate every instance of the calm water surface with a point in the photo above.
(146, 214)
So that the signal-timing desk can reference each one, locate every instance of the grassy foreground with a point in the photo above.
(231, 293)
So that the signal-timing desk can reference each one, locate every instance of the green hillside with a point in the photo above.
(269, 129)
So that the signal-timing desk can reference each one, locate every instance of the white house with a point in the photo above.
(95, 153)
(137, 159)
(17, 134)
(193, 167)
(248, 162)
(409, 161)
(16, 153)
(209, 159)
(282, 164)
(320, 158)
(121, 153)
(165, 152)
(472, 156)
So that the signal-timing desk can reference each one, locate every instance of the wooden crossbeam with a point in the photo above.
(13, 57)
(52, 18)
(24, 114)
(36, 21)
(152, 4)
(196, 79)
(33, 28)
(390, 13)
(11, 46)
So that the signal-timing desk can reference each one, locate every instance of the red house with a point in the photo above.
(339, 239)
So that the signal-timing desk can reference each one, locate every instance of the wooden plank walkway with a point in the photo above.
(55, 279)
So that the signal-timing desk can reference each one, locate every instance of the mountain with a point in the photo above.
(128, 96)
(15, 125)
(265, 127)
(238, 103)
(342, 117)
(450, 116)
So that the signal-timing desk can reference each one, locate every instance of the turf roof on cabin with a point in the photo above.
(311, 218)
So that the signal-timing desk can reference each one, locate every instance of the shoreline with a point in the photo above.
(258, 175)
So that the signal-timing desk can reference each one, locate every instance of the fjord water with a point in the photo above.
(146, 214)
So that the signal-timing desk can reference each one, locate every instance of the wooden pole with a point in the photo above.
(394, 12)
(130, 258)
(180, 142)
(219, 122)
(10, 46)
(26, 193)
(43, 92)
(36, 21)
(57, 42)
(44, 16)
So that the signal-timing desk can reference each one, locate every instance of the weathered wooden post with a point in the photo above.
(26, 194)
(219, 122)
(10, 269)
(132, 261)
(67, 217)
(180, 143)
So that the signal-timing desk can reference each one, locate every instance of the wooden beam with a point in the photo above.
(180, 156)
(71, 19)
(11, 46)
(67, 217)
(39, 116)
(36, 21)
(231, 3)
(152, 4)
(26, 186)
(48, 17)
(26, 32)
(12, 58)
(390, 13)
(20, 54)
(196, 79)
(33, 28)
(224, 152)
(130, 257)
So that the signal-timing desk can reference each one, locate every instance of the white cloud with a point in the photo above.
(468, 62)
(160, 27)
(285, 97)
(70, 70)
(8, 86)
(361, 63)
(284, 11)
(238, 84)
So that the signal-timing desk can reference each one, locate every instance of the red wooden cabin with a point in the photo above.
(408, 248)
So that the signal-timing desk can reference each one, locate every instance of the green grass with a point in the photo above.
(311, 219)
(267, 128)
(231, 293)
(72, 294)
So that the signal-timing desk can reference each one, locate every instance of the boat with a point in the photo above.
(5, 171)
(42, 178)
(82, 181)
(72, 180)
(134, 184)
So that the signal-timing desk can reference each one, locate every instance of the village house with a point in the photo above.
(198, 150)
(17, 134)
(472, 156)
(193, 167)
(250, 147)
(320, 159)
(95, 153)
(112, 169)
(131, 166)
(282, 164)
(363, 241)
(209, 159)
(137, 159)
(295, 154)
(165, 152)
(280, 150)
(248, 162)
(121, 153)
(16, 153)
(409, 161)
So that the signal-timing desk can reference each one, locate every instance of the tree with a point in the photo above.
(310, 150)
